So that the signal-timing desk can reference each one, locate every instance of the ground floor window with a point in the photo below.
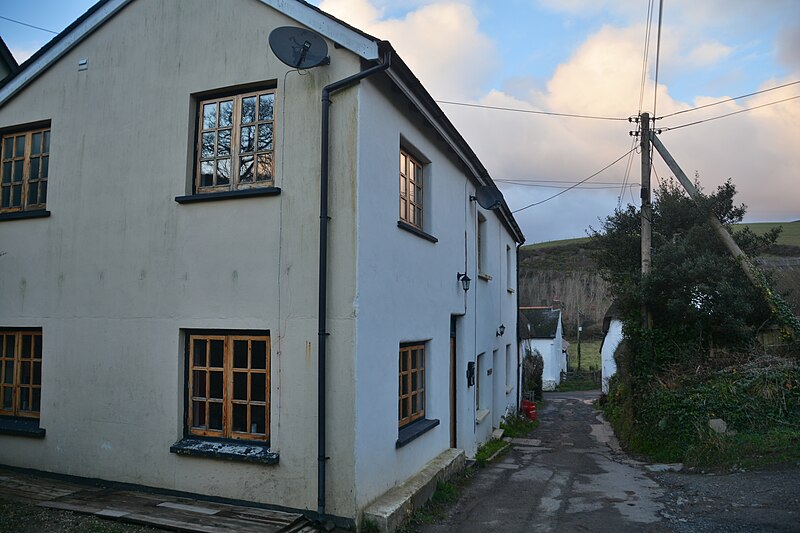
(411, 402)
(20, 372)
(228, 385)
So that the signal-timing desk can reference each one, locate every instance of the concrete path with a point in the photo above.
(571, 477)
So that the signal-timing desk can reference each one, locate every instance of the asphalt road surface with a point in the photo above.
(571, 475)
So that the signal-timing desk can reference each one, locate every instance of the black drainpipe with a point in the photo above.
(323, 266)
(519, 359)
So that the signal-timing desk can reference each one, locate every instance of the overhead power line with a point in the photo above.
(28, 25)
(729, 114)
(658, 54)
(730, 99)
(617, 160)
(530, 111)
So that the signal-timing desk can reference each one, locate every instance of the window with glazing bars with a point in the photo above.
(411, 187)
(229, 385)
(24, 169)
(20, 373)
(411, 404)
(235, 142)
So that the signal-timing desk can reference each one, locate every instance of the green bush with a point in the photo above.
(759, 401)
(517, 426)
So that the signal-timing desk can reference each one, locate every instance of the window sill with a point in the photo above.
(416, 231)
(509, 389)
(481, 414)
(510, 290)
(21, 427)
(228, 195)
(414, 430)
(484, 277)
(16, 215)
(229, 449)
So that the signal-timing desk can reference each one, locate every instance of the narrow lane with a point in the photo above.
(571, 476)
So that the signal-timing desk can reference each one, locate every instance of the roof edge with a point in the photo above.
(60, 45)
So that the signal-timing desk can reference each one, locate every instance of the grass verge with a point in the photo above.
(517, 426)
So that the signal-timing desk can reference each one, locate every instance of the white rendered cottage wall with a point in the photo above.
(408, 290)
(119, 269)
(610, 343)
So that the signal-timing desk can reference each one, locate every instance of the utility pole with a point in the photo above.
(647, 209)
(580, 328)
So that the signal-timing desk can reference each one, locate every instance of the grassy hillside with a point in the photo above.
(564, 270)
(790, 235)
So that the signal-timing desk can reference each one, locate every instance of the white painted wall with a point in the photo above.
(610, 343)
(555, 360)
(407, 290)
(120, 269)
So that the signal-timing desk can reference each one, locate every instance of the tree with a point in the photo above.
(696, 292)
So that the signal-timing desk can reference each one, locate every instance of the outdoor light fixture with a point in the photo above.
(464, 279)
(501, 330)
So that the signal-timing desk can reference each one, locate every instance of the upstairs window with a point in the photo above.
(20, 373)
(235, 142)
(24, 170)
(411, 190)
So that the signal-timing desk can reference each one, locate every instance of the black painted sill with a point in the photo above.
(416, 231)
(232, 450)
(414, 430)
(17, 215)
(21, 427)
(228, 195)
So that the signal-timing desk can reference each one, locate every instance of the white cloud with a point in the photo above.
(436, 40)
(708, 53)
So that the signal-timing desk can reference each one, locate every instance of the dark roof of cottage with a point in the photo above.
(542, 322)
(479, 176)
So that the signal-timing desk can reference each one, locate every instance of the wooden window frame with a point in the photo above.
(228, 402)
(406, 377)
(235, 156)
(13, 360)
(412, 189)
(9, 162)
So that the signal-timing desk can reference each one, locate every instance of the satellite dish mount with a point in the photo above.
(488, 197)
(299, 48)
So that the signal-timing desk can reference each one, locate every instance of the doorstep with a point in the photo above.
(391, 509)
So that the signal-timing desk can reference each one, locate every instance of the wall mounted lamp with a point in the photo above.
(464, 279)
(501, 330)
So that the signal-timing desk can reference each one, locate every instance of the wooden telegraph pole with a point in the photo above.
(647, 209)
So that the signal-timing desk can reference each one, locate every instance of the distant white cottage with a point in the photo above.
(612, 331)
(226, 276)
(541, 330)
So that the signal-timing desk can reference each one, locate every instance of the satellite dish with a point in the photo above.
(299, 48)
(488, 197)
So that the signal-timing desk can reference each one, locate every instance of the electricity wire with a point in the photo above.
(531, 111)
(617, 160)
(28, 25)
(646, 52)
(730, 99)
(728, 114)
(658, 56)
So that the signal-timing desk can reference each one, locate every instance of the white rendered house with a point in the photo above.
(612, 337)
(544, 334)
(184, 305)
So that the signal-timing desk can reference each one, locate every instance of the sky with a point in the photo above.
(582, 57)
